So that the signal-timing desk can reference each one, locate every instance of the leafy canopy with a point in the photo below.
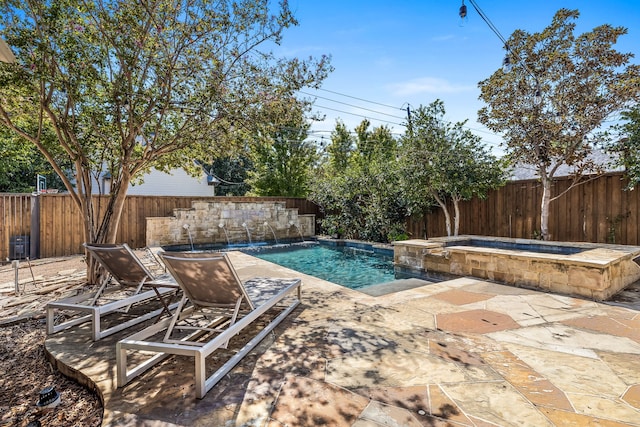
(442, 161)
(581, 80)
(357, 185)
(129, 85)
(283, 158)
(626, 145)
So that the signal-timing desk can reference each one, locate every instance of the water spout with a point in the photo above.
(244, 224)
(293, 224)
(266, 224)
(226, 235)
(186, 227)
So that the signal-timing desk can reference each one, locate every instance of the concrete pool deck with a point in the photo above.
(465, 352)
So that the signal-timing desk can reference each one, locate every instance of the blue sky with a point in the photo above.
(394, 53)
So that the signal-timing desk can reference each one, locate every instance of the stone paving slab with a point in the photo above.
(460, 353)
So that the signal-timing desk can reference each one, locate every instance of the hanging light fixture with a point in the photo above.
(537, 97)
(463, 14)
(463, 10)
(506, 63)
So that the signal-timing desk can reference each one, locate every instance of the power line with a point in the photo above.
(360, 115)
(352, 105)
(360, 99)
(493, 143)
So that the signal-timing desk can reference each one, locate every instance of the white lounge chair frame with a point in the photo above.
(136, 277)
(259, 303)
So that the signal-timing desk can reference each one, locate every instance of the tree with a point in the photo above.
(562, 88)
(443, 162)
(283, 157)
(340, 147)
(626, 145)
(130, 85)
(357, 186)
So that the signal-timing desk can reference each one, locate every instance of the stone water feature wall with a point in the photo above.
(229, 222)
(597, 271)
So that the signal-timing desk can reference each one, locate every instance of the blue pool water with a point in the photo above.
(350, 267)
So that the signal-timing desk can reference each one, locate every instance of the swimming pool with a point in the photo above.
(351, 267)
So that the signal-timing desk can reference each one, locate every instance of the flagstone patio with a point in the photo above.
(466, 352)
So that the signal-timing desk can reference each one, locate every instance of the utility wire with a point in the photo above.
(359, 99)
(360, 115)
(495, 30)
(493, 27)
(486, 19)
(352, 105)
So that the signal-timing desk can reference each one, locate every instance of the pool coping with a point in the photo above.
(598, 272)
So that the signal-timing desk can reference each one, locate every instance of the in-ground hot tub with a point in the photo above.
(596, 271)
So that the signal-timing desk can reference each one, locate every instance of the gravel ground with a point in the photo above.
(22, 357)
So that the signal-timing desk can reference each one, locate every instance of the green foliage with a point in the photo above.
(282, 159)
(21, 163)
(130, 85)
(357, 186)
(581, 80)
(340, 147)
(626, 145)
(232, 172)
(441, 162)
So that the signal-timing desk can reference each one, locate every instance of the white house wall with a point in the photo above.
(178, 183)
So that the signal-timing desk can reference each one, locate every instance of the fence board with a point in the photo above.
(631, 225)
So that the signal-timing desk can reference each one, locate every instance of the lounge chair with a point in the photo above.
(137, 286)
(214, 308)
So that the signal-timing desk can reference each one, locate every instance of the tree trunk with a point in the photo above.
(456, 216)
(544, 208)
(447, 216)
(101, 225)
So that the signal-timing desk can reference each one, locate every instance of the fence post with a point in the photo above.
(34, 249)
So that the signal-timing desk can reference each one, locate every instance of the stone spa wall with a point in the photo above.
(229, 222)
(594, 271)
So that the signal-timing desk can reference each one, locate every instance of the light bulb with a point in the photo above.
(506, 64)
(537, 97)
(463, 14)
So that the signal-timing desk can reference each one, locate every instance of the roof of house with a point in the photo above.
(522, 172)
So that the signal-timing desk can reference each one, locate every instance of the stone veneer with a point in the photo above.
(204, 218)
(597, 272)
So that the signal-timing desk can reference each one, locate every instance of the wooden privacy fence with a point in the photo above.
(15, 225)
(598, 211)
(60, 226)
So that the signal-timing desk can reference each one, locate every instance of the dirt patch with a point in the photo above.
(27, 372)
(22, 355)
